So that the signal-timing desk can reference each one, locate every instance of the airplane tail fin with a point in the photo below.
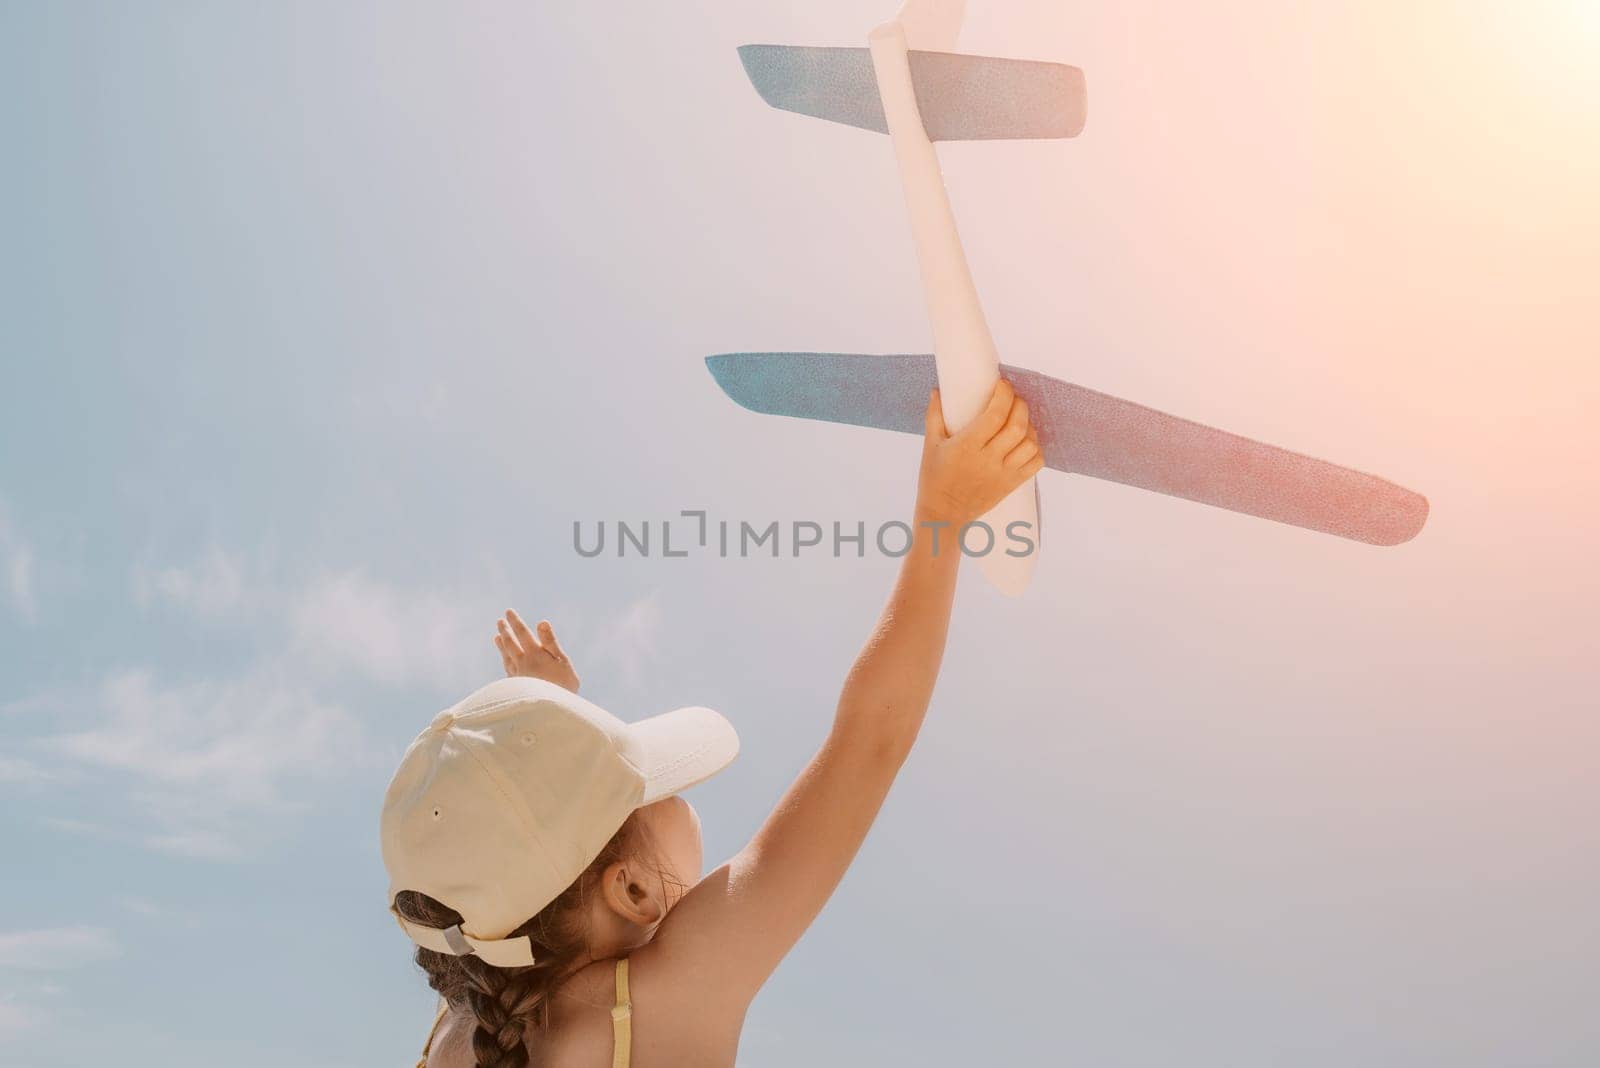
(961, 97)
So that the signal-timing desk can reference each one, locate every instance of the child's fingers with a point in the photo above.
(512, 646)
(994, 415)
(1015, 430)
(505, 658)
(1023, 452)
(525, 636)
(547, 637)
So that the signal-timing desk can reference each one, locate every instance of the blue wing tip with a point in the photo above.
(750, 58)
(721, 366)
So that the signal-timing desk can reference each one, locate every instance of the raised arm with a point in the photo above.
(731, 930)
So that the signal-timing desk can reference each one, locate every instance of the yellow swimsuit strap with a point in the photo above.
(622, 1020)
(621, 1023)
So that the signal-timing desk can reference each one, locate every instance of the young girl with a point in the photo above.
(542, 861)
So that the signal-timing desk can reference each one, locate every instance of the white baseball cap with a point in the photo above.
(507, 796)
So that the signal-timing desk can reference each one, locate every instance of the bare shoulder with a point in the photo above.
(579, 1035)
(452, 1040)
(678, 1017)
(671, 1026)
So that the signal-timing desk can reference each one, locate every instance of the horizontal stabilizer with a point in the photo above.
(962, 98)
(1090, 433)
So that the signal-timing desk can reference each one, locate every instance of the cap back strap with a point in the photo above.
(454, 942)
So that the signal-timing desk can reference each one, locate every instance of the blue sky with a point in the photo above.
(322, 324)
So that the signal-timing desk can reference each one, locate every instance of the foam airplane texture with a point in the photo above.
(1090, 433)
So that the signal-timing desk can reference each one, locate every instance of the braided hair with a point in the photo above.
(508, 1002)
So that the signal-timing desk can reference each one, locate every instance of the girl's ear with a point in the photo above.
(629, 895)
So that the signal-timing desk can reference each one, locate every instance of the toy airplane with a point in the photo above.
(918, 97)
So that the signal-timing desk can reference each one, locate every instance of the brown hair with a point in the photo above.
(507, 1001)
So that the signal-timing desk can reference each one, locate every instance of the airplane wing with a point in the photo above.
(1090, 433)
(960, 97)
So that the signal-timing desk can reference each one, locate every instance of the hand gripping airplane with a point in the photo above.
(931, 94)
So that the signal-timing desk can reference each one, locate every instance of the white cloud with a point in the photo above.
(199, 844)
(27, 956)
(16, 770)
(205, 761)
(141, 906)
(392, 636)
(212, 587)
(223, 828)
(56, 948)
(184, 825)
(74, 826)
(16, 1019)
(233, 740)
(339, 623)
(205, 764)
(631, 640)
